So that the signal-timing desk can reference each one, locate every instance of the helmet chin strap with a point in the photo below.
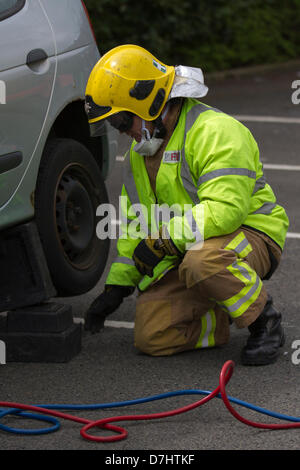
(145, 132)
(149, 145)
(159, 127)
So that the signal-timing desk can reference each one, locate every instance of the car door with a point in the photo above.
(27, 74)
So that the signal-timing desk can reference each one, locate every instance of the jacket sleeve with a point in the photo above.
(223, 159)
(123, 271)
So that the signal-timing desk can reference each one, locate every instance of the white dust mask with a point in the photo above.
(148, 146)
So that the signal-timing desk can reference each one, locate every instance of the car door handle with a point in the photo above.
(10, 161)
(36, 55)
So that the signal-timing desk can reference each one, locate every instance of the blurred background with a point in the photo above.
(214, 35)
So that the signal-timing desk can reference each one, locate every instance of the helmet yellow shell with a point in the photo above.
(128, 78)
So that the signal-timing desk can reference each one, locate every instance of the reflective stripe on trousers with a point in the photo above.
(239, 303)
(208, 327)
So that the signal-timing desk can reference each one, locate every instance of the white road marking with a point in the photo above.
(110, 323)
(119, 324)
(275, 166)
(293, 235)
(276, 119)
(268, 166)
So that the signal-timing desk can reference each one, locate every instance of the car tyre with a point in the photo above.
(69, 189)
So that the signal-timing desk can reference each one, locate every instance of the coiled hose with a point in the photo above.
(52, 412)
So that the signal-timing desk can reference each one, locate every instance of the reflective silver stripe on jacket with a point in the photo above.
(186, 176)
(260, 184)
(226, 171)
(124, 260)
(132, 192)
(265, 209)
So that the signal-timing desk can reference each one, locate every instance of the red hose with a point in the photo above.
(103, 423)
(121, 433)
(228, 366)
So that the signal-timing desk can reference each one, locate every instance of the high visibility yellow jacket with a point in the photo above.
(210, 182)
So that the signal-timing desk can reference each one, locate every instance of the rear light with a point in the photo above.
(89, 19)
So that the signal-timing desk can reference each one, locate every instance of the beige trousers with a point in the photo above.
(193, 306)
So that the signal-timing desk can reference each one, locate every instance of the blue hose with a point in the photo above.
(56, 424)
(29, 432)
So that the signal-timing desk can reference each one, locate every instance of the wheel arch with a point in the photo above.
(72, 123)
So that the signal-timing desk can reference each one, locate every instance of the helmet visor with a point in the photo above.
(121, 121)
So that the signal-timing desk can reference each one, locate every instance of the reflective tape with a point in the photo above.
(225, 172)
(239, 270)
(260, 184)
(240, 245)
(265, 209)
(129, 182)
(185, 173)
(239, 303)
(133, 195)
(124, 260)
(208, 327)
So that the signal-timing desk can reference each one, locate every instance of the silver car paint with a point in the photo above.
(37, 94)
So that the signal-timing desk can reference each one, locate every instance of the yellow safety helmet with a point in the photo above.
(128, 78)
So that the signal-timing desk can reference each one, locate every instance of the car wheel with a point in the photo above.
(69, 189)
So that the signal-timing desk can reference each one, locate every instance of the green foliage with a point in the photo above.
(215, 35)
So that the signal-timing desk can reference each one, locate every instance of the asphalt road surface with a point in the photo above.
(109, 369)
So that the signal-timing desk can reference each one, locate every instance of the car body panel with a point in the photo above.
(28, 89)
(27, 101)
(36, 95)
(28, 29)
(73, 33)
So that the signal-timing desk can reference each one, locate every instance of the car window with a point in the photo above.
(10, 7)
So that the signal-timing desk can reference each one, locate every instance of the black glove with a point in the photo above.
(150, 251)
(104, 305)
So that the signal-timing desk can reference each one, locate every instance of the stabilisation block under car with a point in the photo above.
(44, 333)
(49, 317)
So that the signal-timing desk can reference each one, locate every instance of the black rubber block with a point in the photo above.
(44, 318)
(42, 347)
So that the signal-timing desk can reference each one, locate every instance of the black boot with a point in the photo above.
(266, 337)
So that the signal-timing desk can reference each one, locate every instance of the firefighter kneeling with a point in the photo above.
(202, 269)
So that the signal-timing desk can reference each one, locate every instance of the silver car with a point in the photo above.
(51, 171)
